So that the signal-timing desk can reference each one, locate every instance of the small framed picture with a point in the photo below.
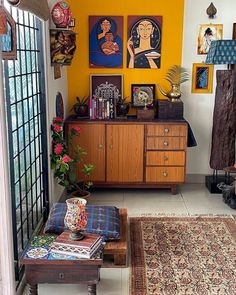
(62, 46)
(202, 76)
(72, 23)
(142, 95)
(206, 34)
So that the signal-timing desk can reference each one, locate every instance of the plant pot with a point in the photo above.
(122, 109)
(81, 110)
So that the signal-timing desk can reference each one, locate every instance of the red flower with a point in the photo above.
(56, 128)
(57, 120)
(77, 129)
(58, 148)
(66, 159)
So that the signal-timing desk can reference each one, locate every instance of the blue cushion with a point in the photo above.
(102, 220)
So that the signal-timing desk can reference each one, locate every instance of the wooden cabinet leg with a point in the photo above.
(174, 189)
(33, 289)
(92, 289)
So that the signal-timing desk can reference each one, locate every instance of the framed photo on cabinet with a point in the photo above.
(202, 76)
(142, 94)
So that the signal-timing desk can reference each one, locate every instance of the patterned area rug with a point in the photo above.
(183, 255)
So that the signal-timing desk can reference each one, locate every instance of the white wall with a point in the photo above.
(199, 107)
(53, 87)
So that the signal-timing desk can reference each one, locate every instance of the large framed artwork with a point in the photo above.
(105, 92)
(142, 94)
(62, 46)
(206, 34)
(144, 42)
(202, 76)
(106, 41)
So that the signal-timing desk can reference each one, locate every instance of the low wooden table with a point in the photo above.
(43, 267)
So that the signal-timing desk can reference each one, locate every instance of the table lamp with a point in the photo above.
(224, 115)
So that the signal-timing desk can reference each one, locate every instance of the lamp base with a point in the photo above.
(212, 181)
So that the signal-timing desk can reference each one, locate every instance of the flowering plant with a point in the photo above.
(65, 166)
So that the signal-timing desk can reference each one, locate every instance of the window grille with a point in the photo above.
(24, 91)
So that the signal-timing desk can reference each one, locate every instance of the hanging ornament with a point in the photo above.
(61, 14)
(211, 11)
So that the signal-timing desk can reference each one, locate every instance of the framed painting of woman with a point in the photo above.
(105, 41)
(202, 76)
(144, 42)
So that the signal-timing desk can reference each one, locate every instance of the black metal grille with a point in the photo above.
(25, 100)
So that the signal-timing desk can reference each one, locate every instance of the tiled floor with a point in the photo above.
(192, 199)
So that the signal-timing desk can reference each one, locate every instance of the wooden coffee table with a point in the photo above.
(43, 267)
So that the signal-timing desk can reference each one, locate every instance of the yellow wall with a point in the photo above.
(171, 47)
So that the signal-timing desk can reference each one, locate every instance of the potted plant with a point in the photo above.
(122, 107)
(81, 107)
(176, 75)
(65, 166)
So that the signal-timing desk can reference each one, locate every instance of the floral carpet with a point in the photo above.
(183, 255)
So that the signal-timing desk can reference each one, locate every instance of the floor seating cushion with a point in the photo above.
(102, 220)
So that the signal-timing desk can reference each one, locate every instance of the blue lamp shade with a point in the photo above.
(222, 52)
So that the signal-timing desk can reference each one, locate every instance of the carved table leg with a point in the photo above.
(33, 289)
(92, 289)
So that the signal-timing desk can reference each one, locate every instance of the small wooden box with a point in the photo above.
(148, 114)
(170, 110)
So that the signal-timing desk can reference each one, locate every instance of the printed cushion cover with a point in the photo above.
(102, 220)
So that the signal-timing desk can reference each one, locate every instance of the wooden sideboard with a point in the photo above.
(134, 153)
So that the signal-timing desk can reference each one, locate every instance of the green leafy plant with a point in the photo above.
(177, 75)
(65, 167)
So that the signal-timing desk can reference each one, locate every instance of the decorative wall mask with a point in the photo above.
(61, 14)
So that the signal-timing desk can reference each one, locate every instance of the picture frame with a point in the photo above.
(106, 41)
(105, 92)
(62, 46)
(206, 34)
(142, 95)
(144, 30)
(202, 77)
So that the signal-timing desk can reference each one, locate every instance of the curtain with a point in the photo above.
(37, 7)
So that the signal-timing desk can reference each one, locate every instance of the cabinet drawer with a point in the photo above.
(166, 143)
(70, 274)
(165, 174)
(166, 130)
(155, 158)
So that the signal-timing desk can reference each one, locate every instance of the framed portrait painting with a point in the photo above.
(206, 34)
(144, 42)
(105, 41)
(202, 76)
(142, 94)
(62, 46)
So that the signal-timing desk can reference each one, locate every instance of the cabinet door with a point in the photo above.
(125, 149)
(92, 139)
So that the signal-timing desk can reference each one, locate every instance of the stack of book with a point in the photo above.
(102, 108)
(87, 248)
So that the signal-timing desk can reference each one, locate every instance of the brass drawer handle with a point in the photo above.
(100, 146)
(165, 173)
(166, 130)
(166, 158)
(166, 143)
(111, 146)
